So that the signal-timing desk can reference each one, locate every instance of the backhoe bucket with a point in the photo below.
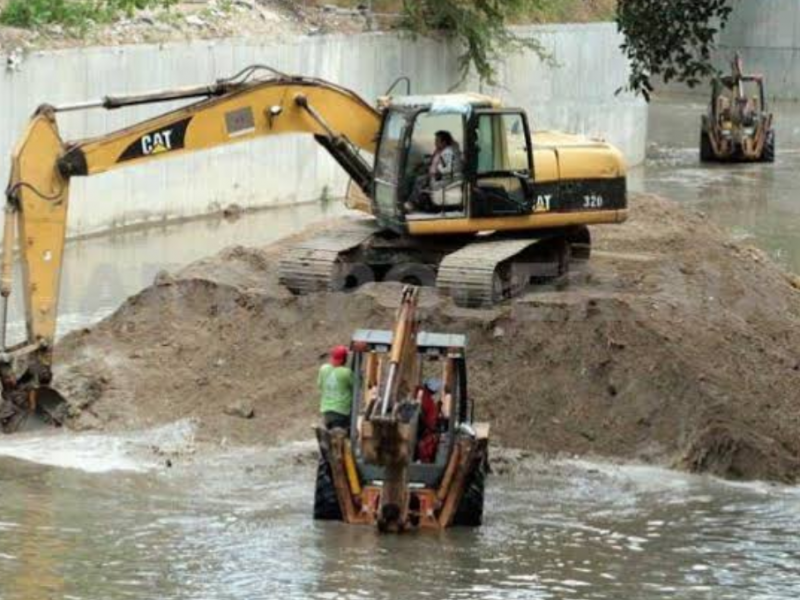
(389, 442)
(32, 410)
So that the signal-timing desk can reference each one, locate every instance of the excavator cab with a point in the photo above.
(488, 170)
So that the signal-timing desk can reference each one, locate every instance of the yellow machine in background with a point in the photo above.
(535, 200)
(737, 127)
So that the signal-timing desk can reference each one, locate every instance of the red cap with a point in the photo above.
(338, 355)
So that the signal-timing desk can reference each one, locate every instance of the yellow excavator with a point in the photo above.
(411, 461)
(511, 209)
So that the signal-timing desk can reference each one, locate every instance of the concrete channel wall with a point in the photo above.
(574, 88)
(767, 34)
(574, 93)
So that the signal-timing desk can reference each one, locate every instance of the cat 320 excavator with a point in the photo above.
(513, 211)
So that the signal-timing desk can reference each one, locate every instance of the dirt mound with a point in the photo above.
(672, 345)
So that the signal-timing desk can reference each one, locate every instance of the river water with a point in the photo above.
(237, 525)
(89, 516)
(759, 203)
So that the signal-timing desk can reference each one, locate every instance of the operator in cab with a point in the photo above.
(335, 384)
(446, 160)
(429, 420)
(444, 168)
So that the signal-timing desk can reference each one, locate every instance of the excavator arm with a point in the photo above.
(230, 111)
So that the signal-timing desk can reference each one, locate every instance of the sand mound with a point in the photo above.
(672, 345)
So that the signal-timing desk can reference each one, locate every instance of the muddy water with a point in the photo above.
(98, 517)
(759, 203)
(238, 526)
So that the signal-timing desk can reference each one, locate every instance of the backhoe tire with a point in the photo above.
(706, 149)
(768, 153)
(470, 509)
(326, 504)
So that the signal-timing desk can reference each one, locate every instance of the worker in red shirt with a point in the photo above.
(429, 420)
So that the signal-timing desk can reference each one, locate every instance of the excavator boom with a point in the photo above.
(231, 111)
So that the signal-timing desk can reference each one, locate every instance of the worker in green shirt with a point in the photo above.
(335, 383)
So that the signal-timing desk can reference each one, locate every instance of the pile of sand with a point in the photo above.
(672, 345)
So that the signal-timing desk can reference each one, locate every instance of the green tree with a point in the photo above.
(670, 39)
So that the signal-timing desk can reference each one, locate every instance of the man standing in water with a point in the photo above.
(335, 383)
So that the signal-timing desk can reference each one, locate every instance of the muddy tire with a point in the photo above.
(326, 504)
(470, 509)
(768, 153)
(706, 150)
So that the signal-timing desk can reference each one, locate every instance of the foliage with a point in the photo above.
(671, 39)
(72, 14)
(480, 25)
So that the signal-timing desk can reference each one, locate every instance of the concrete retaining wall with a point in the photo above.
(576, 95)
(767, 35)
(575, 88)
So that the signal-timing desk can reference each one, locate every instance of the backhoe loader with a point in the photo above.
(737, 127)
(509, 211)
(376, 476)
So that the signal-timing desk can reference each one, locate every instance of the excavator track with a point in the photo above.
(485, 272)
(479, 273)
(315, 264)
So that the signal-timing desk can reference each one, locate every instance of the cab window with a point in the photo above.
(502, 165)
(387, 167)
(434, 176)
(502, 146)
(388, 160)
(423, 139)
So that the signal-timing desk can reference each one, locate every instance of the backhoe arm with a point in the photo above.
(402, 358)
(230, 111)
(389, 432)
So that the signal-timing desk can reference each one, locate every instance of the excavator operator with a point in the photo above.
(443, 169)
(446, 161)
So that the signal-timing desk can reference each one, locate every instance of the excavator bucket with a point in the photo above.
(32, 410)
